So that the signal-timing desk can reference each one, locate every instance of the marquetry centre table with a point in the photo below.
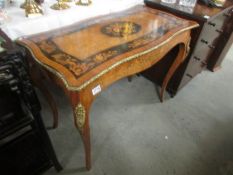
(88, 56)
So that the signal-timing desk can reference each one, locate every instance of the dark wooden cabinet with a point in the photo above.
(224, 42)
(25, 148)
(207, 43)
(23, 154)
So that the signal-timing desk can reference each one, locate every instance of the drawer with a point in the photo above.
(206, 43)
(194, 67)
(202, 51)
(217, 24)
(213, 29)
(209, 34)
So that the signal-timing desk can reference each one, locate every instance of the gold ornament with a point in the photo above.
(80, 116)
(83, 2)
(60, 5)
(32, 8)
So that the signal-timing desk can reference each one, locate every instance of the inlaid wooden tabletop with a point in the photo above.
(80, 53)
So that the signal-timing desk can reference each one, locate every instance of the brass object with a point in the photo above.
(127, 29)
(80, 116)
(67, 1)
(32, 8)
(84, 2)
(121, 29)
(60, 5)
(23, 5)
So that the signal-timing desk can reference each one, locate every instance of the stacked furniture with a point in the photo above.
(25, 148)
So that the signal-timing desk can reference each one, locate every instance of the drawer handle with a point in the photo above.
(227, 15)
(2, 76)
(212, 24)
(204, 41)
(219, 31)
(203, 64)
(188, 75)
(196, 58)
(13, 82)
(15, 88)
(211, 46)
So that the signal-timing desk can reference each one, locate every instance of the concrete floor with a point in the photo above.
(132, 133)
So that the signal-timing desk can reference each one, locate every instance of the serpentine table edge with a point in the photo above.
(136, 39)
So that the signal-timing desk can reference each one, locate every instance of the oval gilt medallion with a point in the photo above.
(121, 28)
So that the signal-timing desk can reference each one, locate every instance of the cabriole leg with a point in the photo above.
(81, 120)
(179, 59)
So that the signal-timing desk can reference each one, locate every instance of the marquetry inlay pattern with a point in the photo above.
(121, 29)
(116, 29)
(79, 50)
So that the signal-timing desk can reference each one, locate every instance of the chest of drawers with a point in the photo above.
(207, 44)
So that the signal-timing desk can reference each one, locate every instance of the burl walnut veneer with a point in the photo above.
(88, 56)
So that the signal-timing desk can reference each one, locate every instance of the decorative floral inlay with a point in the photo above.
(121, 29)
(104, 56)
(47, 46)
(139, 42)
(71, 63)
(116, 29)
